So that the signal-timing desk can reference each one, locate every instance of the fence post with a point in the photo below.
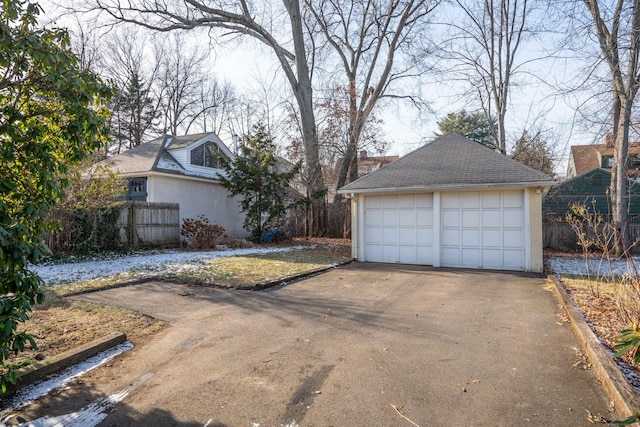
(133, 232)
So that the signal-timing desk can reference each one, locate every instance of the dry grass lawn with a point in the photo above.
(60, 324)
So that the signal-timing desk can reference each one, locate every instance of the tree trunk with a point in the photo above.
(304, 96)
(619, 179)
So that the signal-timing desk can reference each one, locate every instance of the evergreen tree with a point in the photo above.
(474, 126)
(134, 112)
(254, 176)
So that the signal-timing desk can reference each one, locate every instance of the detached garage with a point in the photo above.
(450, 203)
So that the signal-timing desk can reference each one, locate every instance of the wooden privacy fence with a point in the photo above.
(149, 224)
(559, 235)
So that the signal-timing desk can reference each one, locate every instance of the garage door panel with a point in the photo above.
(374, 218)
(491, 258)
(471, 238)
(406, 201)
(512, 239)
(390, 217)
(407, 236)
(424, 255)
(390, 253)
(450, 200)
(424, 217)
(483, 229)
(372, 202)
(374, 253)
(407, 218)
(451, 237)
(512, 219)
(491, 199)
(424, 200)
(513, 199)
(373, 235)
(470, 257)
(491, 218)
(450, 218)
(450, 256)
(390, 202)
(390, 235)
(470, 200)
(470, 218)
(491, 238)
(424, 236)
(408, 254)
(512, 258)
(401, 227)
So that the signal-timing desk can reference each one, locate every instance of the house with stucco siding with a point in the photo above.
(182, 170)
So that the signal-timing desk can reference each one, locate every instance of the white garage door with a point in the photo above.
(399, 229)
(483, 230)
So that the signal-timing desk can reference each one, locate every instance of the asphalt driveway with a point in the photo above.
(444, 347)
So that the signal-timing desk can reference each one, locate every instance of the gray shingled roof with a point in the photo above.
(449, 161)
(154, 156)
(185, 140)
(139, 159)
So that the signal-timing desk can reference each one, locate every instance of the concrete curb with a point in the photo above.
(37, 371)
(271, 283)
(257, 287)
(625, 399)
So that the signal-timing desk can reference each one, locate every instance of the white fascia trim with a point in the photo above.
(446, 187)
(167, 175)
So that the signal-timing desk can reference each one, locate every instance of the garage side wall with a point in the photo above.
(535, 230)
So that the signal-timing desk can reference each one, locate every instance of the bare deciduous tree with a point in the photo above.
(241, 18)
(376, 42)
(617, 29)
(486, 47)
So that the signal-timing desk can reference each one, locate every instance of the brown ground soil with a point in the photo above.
(597, 304)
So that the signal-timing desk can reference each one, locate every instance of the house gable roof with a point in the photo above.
(449, 161)
(158, 155)
(583, 158)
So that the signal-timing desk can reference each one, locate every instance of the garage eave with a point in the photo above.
(446, 187)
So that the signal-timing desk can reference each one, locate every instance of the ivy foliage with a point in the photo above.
(261, 181)
(50, 117)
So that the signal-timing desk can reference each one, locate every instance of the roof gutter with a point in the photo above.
(445, 187)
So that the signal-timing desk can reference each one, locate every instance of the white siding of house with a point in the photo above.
(183, 156)
(198, 197)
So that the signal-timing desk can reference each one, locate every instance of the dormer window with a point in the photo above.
(203, 155)
(609, 162)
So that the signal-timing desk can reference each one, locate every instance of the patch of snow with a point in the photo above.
(598, 267)
(27, 395)
(89, 416)
(175, 261)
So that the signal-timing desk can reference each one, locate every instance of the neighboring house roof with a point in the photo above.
(161, 154)
(449, 161)
(589, 189)
(368, 164)
(583, 158)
